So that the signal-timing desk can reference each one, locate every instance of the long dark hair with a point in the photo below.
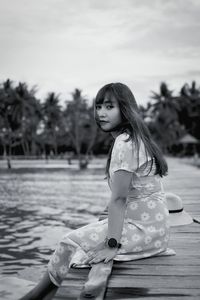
(132, 123)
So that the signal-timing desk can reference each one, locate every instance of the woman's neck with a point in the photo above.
(115, 134)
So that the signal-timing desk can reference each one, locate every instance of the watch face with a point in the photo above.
(112, 243)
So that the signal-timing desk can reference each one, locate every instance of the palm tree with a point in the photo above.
(8, 137)
(164, 114)
(80, 126)
(164, 103)
(189, 102)
(19, 112)
(27, 113)
(52, 118)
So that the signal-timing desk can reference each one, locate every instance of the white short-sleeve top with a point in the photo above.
(126, 157)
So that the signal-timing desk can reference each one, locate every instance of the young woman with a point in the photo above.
(136, 224)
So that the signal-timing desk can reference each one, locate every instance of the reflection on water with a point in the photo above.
(38, 207)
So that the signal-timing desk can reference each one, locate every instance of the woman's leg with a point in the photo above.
(45, 289)
(59, 263)
(58, 267)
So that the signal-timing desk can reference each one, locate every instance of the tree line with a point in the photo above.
(170, 116)
(31, 127)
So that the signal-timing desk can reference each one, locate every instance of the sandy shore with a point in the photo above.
(52, 163)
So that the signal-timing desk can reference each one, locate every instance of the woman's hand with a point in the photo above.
(106, 254)
(98, 247)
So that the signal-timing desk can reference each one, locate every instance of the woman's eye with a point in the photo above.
(109, 106)
(98, 107)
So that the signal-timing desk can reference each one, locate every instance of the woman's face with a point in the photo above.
(108, 114)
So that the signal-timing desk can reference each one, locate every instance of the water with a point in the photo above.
(39, 206)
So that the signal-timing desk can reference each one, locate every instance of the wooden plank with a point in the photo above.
(154, 270)
(173, 277)
(169, 261)
(177, 281)
(68, 293)
(96, 283)
(154, 293)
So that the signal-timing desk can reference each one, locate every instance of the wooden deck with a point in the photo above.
(172, 277)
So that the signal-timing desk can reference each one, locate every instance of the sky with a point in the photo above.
(60, 45)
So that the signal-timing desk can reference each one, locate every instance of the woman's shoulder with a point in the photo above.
(123, 142)
(123, 137)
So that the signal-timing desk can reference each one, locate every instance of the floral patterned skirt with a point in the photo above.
(145, 234)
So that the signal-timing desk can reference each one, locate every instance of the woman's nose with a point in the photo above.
(101, 112)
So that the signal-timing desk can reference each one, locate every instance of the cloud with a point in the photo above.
(193, 73)
(63, 44)
(165, 28)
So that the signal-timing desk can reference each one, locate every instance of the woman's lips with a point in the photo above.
(102, 122)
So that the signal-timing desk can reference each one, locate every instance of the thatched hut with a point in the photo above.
(189, 144)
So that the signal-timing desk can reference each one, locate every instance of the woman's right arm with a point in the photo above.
(117, 205)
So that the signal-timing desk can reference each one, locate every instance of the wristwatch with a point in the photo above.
(112, 243)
